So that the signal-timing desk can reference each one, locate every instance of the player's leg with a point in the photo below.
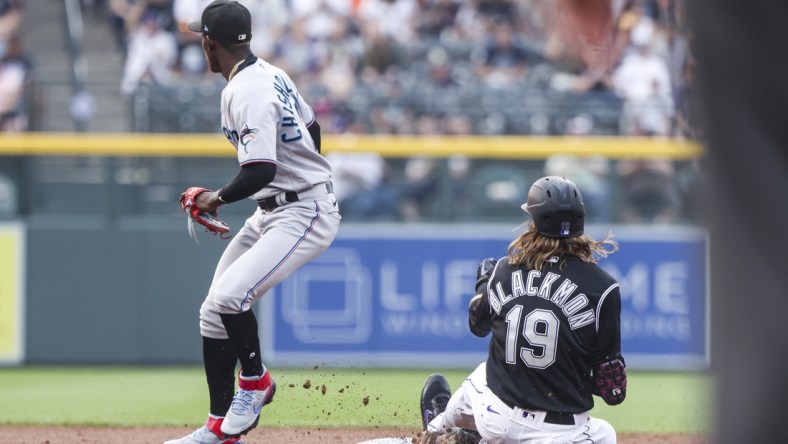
(243, 344)
(495, 421)
(599, 431)
(219, 356)
(531, 429)
(459, 410)
(290, 238)
(435, 396)
(219, 353)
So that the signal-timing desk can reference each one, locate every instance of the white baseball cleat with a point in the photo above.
(210, 433)
(253, 393)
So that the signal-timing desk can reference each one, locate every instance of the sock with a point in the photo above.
(219, 359)
(242, 330)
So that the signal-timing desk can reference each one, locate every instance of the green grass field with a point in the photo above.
(320, 397)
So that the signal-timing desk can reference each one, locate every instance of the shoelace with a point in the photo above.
(242, 401)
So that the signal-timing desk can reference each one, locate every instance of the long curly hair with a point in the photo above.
(533, 250)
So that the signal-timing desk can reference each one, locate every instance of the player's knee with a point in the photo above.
(607, 433)
(224, 303)
(211, 323)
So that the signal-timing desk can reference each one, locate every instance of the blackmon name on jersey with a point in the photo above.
(549, 327)
(562, 296)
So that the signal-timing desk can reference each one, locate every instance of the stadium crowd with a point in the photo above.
(15, 69)
(415, 66)
(434, 67)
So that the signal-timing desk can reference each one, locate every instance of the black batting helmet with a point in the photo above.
(556, 206)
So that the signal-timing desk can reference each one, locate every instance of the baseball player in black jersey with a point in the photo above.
(555, 322)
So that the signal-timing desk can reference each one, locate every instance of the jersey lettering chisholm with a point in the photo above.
(290, 131)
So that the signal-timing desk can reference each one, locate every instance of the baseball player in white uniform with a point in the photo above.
(278, 142)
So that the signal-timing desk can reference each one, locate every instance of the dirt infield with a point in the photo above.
(118, 435)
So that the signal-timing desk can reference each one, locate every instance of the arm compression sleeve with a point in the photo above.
(251, 179)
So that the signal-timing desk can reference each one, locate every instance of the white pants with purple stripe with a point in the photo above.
(501, 424)
(474, 407)
(459, 410)
(269, 247)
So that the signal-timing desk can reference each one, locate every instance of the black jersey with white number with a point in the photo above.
(549, 328)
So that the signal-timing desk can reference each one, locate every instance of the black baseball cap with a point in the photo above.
(226, 21)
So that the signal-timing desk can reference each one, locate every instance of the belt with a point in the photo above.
(288, 197)
(558, 418)
(561, 418)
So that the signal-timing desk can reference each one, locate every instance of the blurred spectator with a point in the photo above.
(591, 175)
(495, 10)
(381, 51)
(185, 12)
(152, 54)
(361, 187)
(457, 124)
(469, 23)
(644, 82)
(191, 65)
(649, 191)
(296, 52)
(437, 18)
(116, 16)
(428, 124)
(320, 22)
(125, 16)
(15, 70)
(394, 19)
(504, 59)
(458, 168)
(303, 8)
(269, 22)
(629, 16)
(419, 189)
(10, 20)
(339, 58)
(442, 90)
(651, 115)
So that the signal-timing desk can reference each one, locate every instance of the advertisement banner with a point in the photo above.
(398, 296)
(12, 319)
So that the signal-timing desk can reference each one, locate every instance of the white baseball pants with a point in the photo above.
(269, 247)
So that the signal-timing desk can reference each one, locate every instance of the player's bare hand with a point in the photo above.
(208, 202)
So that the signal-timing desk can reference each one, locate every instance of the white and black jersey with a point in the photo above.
(549, 327)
